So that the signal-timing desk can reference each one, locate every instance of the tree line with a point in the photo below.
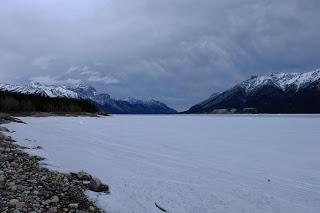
(11, 102)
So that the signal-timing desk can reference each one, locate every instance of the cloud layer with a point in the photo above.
(178, 51)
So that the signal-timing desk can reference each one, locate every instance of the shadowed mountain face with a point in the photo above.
(276, 93)
(121, 106)
(134, 106)
(102, 100)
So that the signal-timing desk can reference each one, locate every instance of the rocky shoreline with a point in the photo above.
(26, 186)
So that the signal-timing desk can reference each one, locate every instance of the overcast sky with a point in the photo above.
(176, 51)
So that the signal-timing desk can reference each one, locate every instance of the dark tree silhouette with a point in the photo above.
(18, 103)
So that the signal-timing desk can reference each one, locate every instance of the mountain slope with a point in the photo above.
(39, 89)
(275, 93)
(103, 100)
(134, 106)
(121, 106)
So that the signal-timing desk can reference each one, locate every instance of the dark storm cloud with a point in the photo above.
(178, 51)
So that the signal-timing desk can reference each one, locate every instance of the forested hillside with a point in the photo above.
(23, 103)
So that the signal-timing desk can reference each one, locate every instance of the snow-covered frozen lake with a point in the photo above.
(188, 164)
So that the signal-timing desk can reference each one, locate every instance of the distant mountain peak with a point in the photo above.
(40, 89)
(84, 86)
(281, 80)
(274, 93)
(85, 91)
(35, 84)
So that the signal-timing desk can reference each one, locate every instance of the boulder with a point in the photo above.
(84, 176)
(97, 186)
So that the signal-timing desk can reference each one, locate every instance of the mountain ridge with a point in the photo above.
(274, 93)
(103, 100)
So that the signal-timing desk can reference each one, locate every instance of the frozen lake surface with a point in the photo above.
(187, 164)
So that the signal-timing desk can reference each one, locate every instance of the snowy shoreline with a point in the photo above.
(27, 186)
(188, 163)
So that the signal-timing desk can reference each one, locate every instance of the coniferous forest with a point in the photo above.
(26, 103)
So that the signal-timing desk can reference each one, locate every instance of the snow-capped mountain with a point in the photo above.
(284, 81)
(103, 100)
(39, 89)
(121, 106)
(275, 93)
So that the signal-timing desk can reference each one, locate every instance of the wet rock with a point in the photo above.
(97, 186)
(84, 176)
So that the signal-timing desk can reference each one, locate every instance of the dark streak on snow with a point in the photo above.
(162, 209)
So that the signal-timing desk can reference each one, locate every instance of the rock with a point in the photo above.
(53, 209)
(54, 199)
(36, 205)
(2, 185)
(2, 178)
(38, 147)
(21, 188)
(97, 186)
(4, 129)
(84, 176)
(12, 203)
(3, 137)
(74, 205)
(20, 205)
(13, 187)
(45, 194)
(14, 164)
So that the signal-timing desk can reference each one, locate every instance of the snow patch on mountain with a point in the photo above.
(39, 89)
(139, 101)
(274, 93)
(84, 91)
(282, 80)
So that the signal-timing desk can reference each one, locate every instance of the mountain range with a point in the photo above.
(275, 93)
(103, 100)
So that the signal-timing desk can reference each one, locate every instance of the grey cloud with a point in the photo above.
(42, 62)
(179, 51)
(90, 75)
(49, 80)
